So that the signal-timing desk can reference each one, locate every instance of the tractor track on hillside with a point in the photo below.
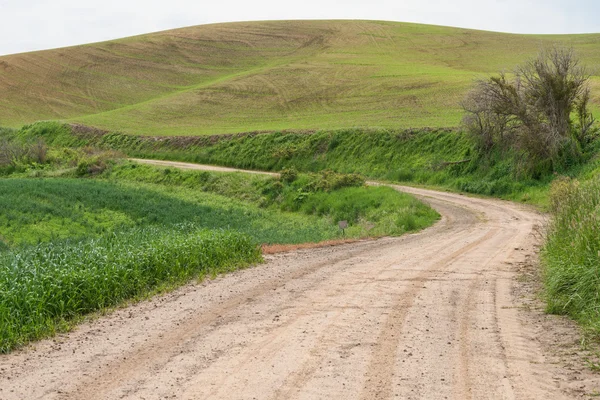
(431, 315)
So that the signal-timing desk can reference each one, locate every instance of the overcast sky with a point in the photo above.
(27, 25)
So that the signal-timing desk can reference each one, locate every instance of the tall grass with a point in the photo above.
(44, 287)
(571, 254)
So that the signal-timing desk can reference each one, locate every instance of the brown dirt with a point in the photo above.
(283, 248)
(441, 314)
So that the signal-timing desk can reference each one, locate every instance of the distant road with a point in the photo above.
(198, 167)
(431, 315)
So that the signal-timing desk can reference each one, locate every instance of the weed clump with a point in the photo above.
(288, 175)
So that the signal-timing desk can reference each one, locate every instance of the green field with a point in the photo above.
(48, 287)
(48, 209)
(131, 195)
(70, 246)
(239, 77)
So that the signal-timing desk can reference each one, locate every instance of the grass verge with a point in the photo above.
(45, 287)
(571, 255)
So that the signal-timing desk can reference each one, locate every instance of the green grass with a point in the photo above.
(45, 288)
(421, 156)
(375, 211)
(273, 75)
(437, 157)
(571, 254)
(71, 246)
(36, 210)
(434, 157)
(370, 211)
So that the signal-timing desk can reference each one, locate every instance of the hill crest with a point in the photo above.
(236, 77)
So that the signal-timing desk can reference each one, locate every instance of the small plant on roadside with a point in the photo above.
(288, 175)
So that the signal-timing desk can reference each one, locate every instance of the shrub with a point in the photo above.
(328, 180)
(531, 113)
(289, 175)
(14, 152)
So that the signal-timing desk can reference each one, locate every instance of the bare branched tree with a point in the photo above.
(532, 112)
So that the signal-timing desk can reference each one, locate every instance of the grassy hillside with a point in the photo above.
(238, 77)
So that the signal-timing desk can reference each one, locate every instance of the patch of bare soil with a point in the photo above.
(283, 248)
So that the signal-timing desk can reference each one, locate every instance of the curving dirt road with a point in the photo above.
(431, 315)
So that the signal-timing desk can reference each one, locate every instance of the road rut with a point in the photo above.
(430, 315)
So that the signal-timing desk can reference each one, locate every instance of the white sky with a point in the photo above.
(27, 25)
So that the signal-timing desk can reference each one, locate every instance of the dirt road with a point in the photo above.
(433, 315)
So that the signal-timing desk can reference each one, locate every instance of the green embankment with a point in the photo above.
(435, 157)
(270, 75)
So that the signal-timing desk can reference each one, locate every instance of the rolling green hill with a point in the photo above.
(237, 77)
